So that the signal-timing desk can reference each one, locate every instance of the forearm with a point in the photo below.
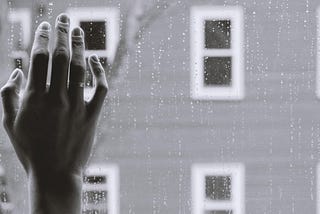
(55, 193)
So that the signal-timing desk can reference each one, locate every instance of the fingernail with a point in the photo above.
(63, 18)
(45, 26)
(77, 32)
(94, 58)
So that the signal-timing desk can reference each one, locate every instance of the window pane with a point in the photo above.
(95, 197)
(95, 179)
(218, 187)
(4, 197)
(17, 63)
(91, 212)
(217, 34)
(217, 71)
(95, 35)
(219, 212)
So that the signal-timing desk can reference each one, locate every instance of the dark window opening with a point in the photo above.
(93, 212)
(100, 179)
(94, 197)
(4, 197)
(95, 35)
(217, 71)
(219, 212)
(218, 34)
(17, 62)
(218, 188)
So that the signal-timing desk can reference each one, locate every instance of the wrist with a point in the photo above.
(55, 192)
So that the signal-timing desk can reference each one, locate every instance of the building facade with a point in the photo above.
(212, 109)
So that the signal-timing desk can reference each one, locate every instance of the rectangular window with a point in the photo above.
(101, 28)
(218, 188)
(100, 192)
(216, 53)
(20, 30)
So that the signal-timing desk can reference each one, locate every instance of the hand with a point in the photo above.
(52, 127)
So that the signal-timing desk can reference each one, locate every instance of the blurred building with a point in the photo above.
(212, 106)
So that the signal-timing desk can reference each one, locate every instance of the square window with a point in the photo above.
(218, 187)
(217, 71)
(217, 34)
(95, 34)
(219, 212)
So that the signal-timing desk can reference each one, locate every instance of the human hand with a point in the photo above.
(51, 127)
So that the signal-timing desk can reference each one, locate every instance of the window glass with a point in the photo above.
(94, 197)
(95, 179)
(217, 34)
(219, 212)
(95, 34)
(217, 71)
(218, 187)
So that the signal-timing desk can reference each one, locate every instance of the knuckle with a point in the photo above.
(77, 65)
(61, 54)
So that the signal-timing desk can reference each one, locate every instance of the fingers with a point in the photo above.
(61, 56)
(39, 59)
(10, 96)
(95, 104)
(77, 68)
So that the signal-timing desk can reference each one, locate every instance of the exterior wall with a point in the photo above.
(154, 131)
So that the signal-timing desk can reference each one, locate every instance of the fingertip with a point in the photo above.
(78, 32)
(63, 18)
(44, 26)
(94, 59)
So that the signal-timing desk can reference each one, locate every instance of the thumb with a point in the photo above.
(10, 97)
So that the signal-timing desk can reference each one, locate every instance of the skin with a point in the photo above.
(51, 127)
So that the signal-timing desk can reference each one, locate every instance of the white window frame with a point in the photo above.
(110, 15)
(112, 186)
(198, 15)
(22, 16)
(237, 173)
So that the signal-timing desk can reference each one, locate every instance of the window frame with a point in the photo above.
(110, 15)
(22, 16)
(111, 172)
(198, 174)
(198, 16)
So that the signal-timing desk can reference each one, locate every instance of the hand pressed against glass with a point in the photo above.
(52, 127)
